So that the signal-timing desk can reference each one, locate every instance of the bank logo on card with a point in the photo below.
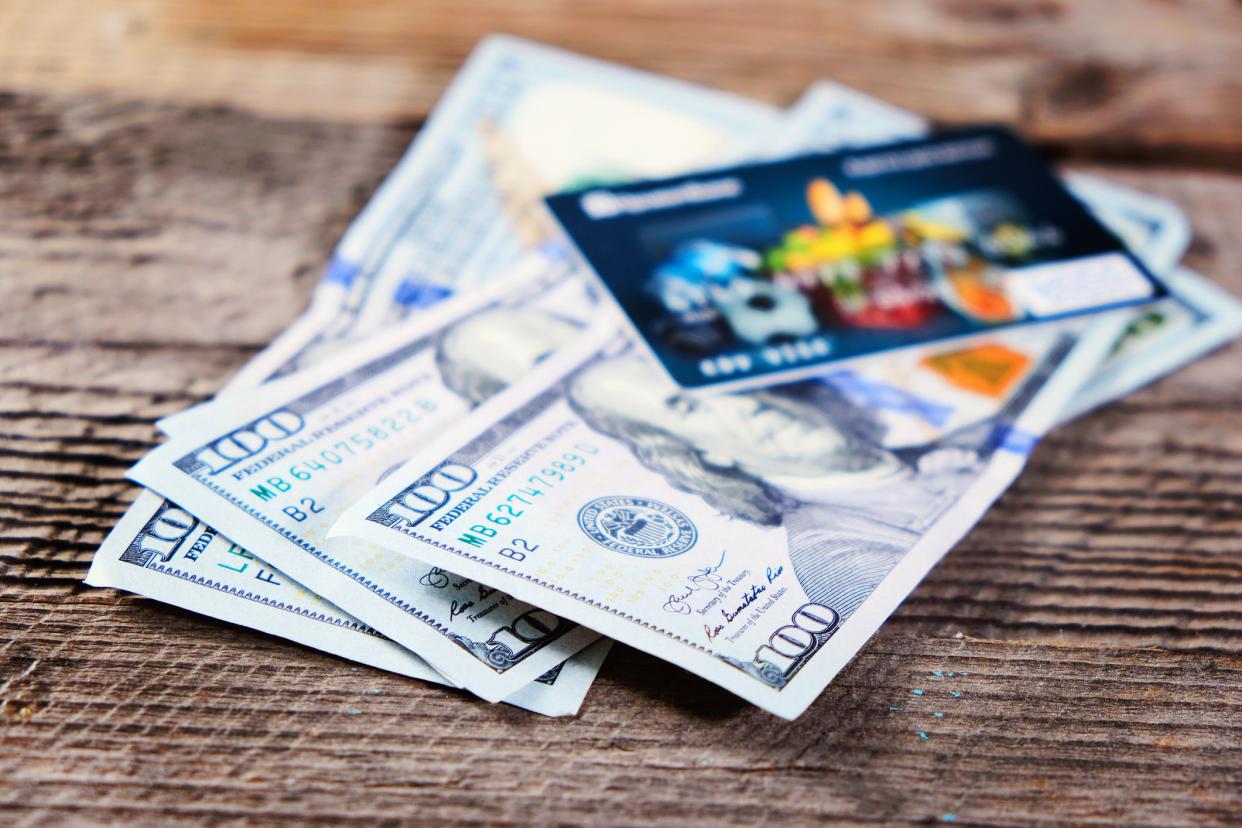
(637, 526)
(605, 204)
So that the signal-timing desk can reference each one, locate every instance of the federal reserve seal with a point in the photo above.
(637, 526)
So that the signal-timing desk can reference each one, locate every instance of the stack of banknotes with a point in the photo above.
(429, 471)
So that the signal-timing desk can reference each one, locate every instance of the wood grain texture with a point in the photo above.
(1092, 622)
(1145, 76)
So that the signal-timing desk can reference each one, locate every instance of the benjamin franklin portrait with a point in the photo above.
(799, 456)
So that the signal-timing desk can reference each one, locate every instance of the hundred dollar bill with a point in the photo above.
(151, 552)
(757, 539)
(518, 122)
(161, 551)
(273, 474)
(1156, 230)
(1159, 339)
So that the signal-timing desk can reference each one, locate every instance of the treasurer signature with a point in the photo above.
(749, 598)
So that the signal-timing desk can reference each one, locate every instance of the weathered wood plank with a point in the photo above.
(137, 712)
(1145, 76)
(102, 202)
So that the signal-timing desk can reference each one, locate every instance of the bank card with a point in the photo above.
(759, 274)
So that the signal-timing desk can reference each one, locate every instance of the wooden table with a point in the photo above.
(172, 179)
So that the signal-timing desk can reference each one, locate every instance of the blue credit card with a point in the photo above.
(763, 273)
